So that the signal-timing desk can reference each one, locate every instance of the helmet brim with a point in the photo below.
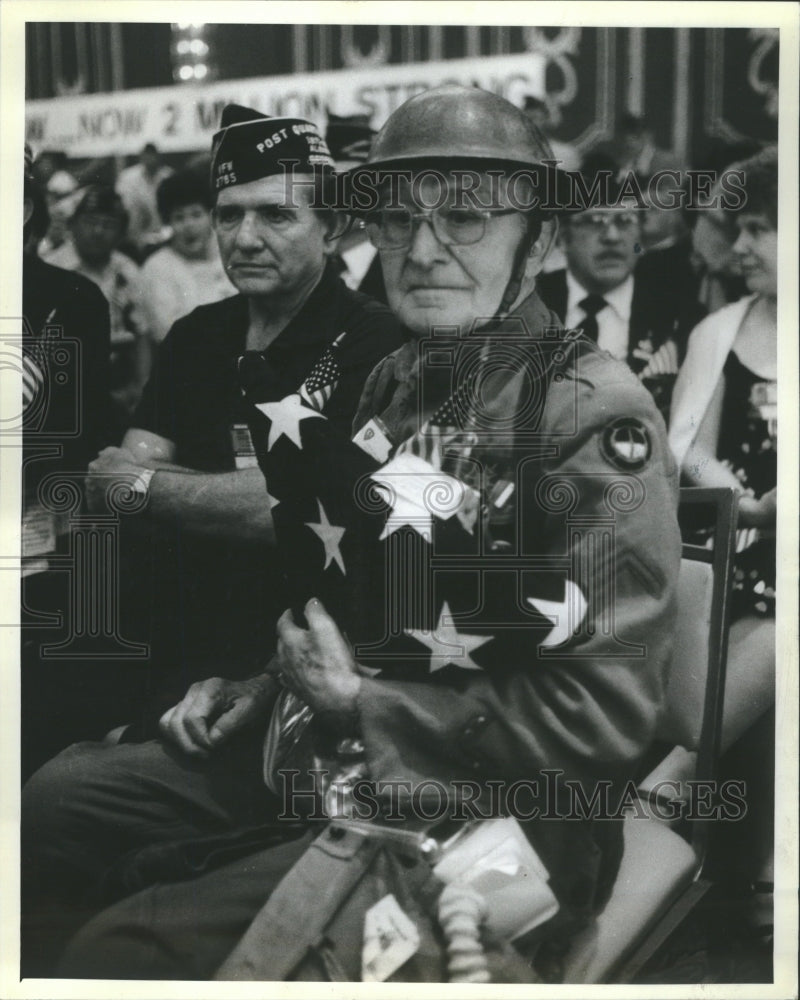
(553, 187)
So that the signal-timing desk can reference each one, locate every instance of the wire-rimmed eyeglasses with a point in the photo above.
(394, 228)
(600, 222)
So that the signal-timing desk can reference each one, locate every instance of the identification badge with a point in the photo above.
(764, 394)
(764, 400)
(390, 939)
(243, 450)
(373, 440)
(38, 532)
(501, 493)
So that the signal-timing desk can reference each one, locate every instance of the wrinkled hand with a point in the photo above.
(317, 663)
(212, 710)
(112, 467)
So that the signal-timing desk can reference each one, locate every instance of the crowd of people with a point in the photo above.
(252, 352)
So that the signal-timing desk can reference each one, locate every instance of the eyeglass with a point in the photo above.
(393, 228)
(600, 221)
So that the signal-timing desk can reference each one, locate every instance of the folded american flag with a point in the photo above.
(399, 552)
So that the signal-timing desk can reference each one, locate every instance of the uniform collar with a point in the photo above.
(530, 318)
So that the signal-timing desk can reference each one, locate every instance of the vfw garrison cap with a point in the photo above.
(250, 145)
(349, 138)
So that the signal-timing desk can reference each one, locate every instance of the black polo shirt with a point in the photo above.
(208, 605)
(194, 396)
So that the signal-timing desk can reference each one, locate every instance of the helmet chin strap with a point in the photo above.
(514, 286)
(520, 285)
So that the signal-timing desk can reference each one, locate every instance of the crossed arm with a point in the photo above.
(315, 663)
(224, 504)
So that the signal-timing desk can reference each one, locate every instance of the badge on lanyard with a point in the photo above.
(39, 531)
(243, 450)
(373, 439)
(390, 938)
(764, 399)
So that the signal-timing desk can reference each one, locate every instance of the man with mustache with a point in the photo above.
(613, 293)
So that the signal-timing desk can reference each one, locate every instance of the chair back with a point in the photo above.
(692, 713)
(681, 721)
(661, 874)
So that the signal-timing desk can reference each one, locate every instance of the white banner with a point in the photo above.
(185, 116)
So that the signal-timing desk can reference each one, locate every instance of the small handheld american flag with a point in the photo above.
(321, 383)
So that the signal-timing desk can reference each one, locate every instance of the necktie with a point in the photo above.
(592, 305)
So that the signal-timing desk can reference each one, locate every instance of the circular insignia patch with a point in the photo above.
(626, 444)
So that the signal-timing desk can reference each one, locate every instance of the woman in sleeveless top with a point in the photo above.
(723, 431)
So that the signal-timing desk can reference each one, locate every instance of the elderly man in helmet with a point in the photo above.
(522, 542)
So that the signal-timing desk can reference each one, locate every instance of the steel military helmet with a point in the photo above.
(458, 126)
(452, 128)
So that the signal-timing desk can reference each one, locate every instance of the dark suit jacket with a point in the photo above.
(68, 419)
(661, 309)
(72, 412)
(664, 307)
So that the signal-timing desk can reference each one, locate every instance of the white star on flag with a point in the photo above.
(330, 536)
(448, 645)
(565, 615)
(415, 490)
(285, 418)
(272, 502)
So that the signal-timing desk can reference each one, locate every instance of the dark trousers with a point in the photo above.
(80, 696)
(180, 930)
(171, 856)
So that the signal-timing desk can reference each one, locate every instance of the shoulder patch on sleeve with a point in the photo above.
(626, 444)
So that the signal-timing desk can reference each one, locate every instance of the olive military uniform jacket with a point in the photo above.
(594, 495)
